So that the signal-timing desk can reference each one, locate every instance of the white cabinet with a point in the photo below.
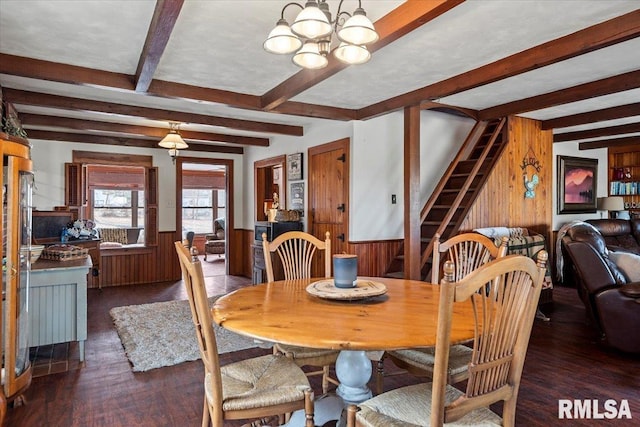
(58, 302)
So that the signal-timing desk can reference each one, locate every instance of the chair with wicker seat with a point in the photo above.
(296, 250)
(251, 389)
(468, 251)
(504, 294)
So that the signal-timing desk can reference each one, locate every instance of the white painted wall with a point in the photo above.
(49, 158)
(571, 149)
(376, 169)
(377, 164)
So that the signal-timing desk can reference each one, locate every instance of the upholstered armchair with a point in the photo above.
(215, 242)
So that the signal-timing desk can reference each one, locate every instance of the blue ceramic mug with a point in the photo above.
(345, 270)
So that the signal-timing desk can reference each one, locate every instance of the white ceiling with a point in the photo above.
(218, 44)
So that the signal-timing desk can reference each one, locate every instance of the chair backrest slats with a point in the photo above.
(504, 294)
(468, 251)
(296, 251)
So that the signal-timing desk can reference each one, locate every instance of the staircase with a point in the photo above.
(456, 192)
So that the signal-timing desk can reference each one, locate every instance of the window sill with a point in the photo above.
(126, 250)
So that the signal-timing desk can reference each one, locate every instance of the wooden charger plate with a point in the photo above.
(364, 289)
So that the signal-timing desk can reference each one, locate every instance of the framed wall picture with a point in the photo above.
(297, 196)
(577, 181)
(294, 167)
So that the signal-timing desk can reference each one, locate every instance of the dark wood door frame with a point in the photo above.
(229, 222)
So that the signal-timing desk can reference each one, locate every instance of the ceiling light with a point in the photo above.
(352, 53)
(310, 57)
(311, 32)
(173, 141)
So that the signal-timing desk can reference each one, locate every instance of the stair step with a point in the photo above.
(396, 275)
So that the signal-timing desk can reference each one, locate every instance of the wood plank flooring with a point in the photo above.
(565, 361)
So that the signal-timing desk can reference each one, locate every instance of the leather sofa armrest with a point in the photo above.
(631, 290)
(594, 274)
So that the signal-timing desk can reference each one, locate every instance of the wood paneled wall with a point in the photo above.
(502, 203)
(141, 265)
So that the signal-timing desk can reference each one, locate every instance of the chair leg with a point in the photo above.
(325, 379)
(308, 408)
(351, 415)
(205, 413)
(380, 376)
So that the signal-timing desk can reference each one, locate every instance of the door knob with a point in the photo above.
(340, 237)
(341, 207)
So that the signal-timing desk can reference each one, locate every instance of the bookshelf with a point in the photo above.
(624, 176)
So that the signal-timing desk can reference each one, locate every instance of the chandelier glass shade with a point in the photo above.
(309, 56)
(173, 142)
(310, 34)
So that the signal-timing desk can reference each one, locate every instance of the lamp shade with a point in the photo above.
(311, 22)
(309, 57)
(281, 40)
(358, 29)
(352, 54)
(612, 203)
(173, 140)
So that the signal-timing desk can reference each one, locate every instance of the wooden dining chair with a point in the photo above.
(296, 251)
(504, 295)
(467, 251)
(250, 389)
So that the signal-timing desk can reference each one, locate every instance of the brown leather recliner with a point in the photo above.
(601, 285)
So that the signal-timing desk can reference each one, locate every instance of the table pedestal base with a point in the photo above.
(353, 369)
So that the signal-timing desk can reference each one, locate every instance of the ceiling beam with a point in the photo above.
(125, 141)
(164, 19)
(397, 23)
(317, 111)
(607, 143)
(29, 120)
(596, 37)
(596, 133)
(589, 117)
(63, 73)
(606, 86)
(45, 100)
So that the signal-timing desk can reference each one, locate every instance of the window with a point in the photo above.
(200, 207)
(117, 192)
(118, 208)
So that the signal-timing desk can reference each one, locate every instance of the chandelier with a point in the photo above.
(173, 141)
(310, 35)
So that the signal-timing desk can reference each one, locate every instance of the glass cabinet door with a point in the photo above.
(19, 180)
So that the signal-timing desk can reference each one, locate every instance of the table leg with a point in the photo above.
(353, 369)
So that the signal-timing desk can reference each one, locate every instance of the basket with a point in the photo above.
(64, 253)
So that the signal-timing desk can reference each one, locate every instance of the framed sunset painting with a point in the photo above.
(577, 180)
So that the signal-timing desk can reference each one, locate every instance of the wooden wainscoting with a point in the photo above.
(133, 266)
(373, 256)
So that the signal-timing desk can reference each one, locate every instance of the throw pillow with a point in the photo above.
(628, 263)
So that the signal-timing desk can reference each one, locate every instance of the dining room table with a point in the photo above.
(378, 314)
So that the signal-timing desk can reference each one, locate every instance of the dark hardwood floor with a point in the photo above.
(565, 361)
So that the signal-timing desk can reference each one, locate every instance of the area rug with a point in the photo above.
(162, 334)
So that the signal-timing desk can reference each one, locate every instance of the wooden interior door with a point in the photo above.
(328, 204)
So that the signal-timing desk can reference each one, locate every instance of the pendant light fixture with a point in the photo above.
(173, 141)
(311, 32)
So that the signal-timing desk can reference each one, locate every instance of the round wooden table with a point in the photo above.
(405, 316)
